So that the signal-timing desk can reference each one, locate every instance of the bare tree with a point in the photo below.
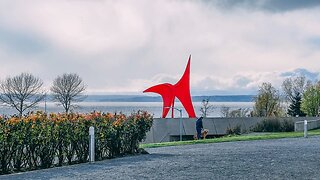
(21, 92)
(225, 111)
(67, 89)
(205, 108)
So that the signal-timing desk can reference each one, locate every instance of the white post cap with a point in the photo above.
(91, 130)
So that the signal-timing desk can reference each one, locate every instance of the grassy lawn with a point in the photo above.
(246, 137)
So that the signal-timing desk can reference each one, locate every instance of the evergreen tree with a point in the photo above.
(294, 88)
(295, 107)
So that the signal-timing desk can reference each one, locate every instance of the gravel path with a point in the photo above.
(296, 158)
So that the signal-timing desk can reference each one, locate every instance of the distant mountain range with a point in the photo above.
(140, 98)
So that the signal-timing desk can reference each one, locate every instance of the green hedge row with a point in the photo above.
(274, 125)
(42, 141)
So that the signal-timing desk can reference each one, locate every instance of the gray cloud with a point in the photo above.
(22, 42)
(267, 5)
(126, 46)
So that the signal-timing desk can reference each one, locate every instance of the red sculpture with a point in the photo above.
(181, 90)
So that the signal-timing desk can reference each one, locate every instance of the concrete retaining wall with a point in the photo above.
(165, 130)
(312, 124)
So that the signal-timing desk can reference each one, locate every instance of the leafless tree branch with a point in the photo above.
(21, 92)
(67, 89)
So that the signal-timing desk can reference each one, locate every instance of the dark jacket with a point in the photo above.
(199, 124)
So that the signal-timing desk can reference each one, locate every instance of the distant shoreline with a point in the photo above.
(141, 98)
(154, 108)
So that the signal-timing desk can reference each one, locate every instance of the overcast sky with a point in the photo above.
(126, 46)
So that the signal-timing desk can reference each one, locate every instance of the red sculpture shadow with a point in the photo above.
(181, 90)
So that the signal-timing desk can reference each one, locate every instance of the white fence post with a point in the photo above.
(305, 128)
(91, 144)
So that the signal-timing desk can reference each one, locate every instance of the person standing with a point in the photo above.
(199, 127)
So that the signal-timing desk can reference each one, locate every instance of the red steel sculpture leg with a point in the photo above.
(172, 109)
(166, 92)
(181, 90)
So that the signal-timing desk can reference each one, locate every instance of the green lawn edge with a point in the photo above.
(245, 137)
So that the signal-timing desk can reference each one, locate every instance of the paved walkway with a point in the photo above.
(296, 158)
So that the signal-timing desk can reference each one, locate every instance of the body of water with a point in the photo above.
(154, 108)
